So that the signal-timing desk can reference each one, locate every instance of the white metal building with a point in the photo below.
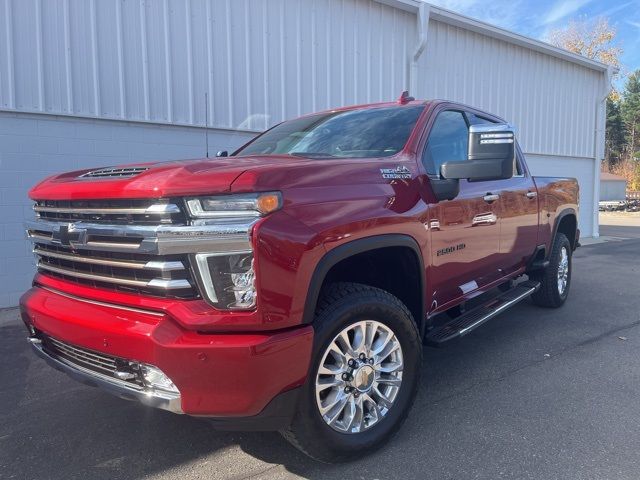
(100, 82)
(612, 187)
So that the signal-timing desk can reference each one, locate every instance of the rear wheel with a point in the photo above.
(555, 280)
(363, 375)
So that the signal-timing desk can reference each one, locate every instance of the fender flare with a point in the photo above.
(346, 250)
(556, 223)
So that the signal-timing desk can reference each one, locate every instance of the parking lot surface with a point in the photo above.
(534, 393)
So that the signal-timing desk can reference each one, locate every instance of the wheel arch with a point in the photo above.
(352, 249)
(565, 222)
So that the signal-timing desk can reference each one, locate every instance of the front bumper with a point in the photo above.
(223, 375)
(121, 389)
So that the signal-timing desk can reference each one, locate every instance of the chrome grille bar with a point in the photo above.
(158, 209)
(152, 265)
(154, 283)
(85, 356)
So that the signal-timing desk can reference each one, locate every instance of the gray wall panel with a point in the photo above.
(34, 146)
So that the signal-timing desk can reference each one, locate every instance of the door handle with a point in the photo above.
(491, 197)
(531, 194)
(489, 218)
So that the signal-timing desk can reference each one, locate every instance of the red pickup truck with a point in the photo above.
(292, 285)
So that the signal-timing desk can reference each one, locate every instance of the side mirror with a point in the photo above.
(491, 154)
(222, 153)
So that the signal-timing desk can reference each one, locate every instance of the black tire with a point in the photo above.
(341, 305)
(549, 294)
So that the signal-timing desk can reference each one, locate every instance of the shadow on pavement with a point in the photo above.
(510, 399)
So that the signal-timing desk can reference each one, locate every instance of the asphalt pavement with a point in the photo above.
(533, 394)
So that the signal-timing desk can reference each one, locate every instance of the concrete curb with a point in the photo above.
(9, 316)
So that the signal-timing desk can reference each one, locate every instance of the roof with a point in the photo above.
(611, 177)
(455, 19)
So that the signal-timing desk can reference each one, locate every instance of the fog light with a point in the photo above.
(154, 378)
(227, 279)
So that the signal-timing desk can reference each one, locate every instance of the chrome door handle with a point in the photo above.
(489, 218)
(490, 197)
(531, 194)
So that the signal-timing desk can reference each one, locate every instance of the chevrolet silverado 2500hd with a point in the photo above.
(292, 285)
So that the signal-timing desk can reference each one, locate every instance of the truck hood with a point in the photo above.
(214, 175)
(158, 179)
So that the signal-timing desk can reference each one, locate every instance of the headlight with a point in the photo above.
(238, 205)
(228, 279)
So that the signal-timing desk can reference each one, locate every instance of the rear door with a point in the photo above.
(465, 231)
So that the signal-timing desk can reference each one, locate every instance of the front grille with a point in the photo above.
(117, 172)
(162, 276)
(92, 360)
(115, 212)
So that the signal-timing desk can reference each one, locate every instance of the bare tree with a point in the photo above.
(591, 38)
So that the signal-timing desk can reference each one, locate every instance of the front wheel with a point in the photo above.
(363, 375)
(555, 280)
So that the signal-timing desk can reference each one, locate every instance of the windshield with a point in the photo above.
(371, 132)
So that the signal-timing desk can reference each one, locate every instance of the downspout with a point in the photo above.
(598, 147)
(424, 10)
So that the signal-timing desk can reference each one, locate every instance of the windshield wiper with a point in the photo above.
(311, 154)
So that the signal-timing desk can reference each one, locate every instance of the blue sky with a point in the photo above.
(537, 18)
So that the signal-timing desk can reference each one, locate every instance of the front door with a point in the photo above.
(518, 205)
(465, 231)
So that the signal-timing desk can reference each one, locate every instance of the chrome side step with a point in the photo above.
(472, 319)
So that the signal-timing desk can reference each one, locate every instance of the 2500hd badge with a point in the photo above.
(447, 250)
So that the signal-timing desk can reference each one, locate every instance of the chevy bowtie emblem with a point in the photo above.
(67, 235)
(399, 173)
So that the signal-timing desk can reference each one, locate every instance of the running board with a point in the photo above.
(472, 319)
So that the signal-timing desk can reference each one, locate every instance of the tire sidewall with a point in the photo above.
(365, 307)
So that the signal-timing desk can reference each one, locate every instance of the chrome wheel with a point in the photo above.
(563, 271)
(359, 376)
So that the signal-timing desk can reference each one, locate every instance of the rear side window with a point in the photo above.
(448, 141)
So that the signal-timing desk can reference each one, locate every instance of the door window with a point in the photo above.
(448, 141)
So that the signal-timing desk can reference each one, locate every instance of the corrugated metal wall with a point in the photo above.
(153, 60)
(259, 61)
(551, 101)
(264, 61)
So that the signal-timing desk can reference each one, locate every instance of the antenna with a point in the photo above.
(405, 98)
(206, 122)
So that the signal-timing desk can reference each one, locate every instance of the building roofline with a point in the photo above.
(610, 176)
(458, 20)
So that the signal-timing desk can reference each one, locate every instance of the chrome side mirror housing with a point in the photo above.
(491, 154)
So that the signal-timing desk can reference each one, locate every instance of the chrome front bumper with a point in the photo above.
(122, 389)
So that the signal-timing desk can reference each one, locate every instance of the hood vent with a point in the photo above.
(114, 172)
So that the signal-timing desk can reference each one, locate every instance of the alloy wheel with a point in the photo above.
(359, 376)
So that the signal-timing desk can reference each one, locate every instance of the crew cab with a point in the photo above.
(292, 285)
